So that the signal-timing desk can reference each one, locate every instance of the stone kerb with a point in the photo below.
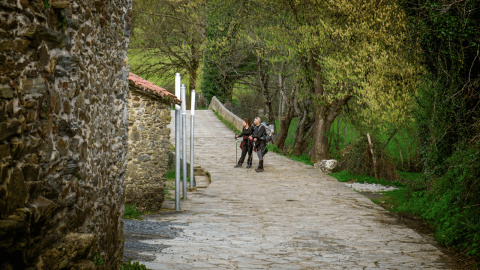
(229, 116)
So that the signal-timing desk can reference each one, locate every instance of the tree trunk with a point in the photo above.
(345, 134)
(280, 101)
(399, 151)
(285, 119)
(390, 138)
(337, 136)
(284, 123)
(373, 156)
(192, 83)
(303, 126)
(263, 78)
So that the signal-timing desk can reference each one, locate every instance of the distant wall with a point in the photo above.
(63, 131)
(229, 116)
(149, 142)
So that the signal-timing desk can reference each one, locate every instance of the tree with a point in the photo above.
(448, 33)
(169, 36)
(227, 55)
(351, 51)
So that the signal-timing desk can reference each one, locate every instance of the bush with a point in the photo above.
(451, 202)
(357, 159)
(131, 265)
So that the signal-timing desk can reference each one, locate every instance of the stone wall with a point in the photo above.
(149, 141)
(63, 130)
(229, 116)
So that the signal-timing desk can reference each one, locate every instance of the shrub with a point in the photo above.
(357, 159)
(451, 202)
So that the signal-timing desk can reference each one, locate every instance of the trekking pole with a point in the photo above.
(236, 150)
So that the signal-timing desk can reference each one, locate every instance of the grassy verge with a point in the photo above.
(304, 158)
(131, 212)
(131, 265)
(169, 190)
(228, 124)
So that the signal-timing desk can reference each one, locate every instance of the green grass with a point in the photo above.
(131, 212)
(403, 140)
(394, 200)
(131, 265)
(170, 184)
(230, 126)
(171, 175)
(304, 158)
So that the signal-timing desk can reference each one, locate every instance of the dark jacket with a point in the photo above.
(259, 132)
(246, 132)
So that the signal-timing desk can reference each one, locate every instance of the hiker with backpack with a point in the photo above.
(259, 137)
(247, 143)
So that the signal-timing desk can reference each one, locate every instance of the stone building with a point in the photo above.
(148, 142)
(63, 132)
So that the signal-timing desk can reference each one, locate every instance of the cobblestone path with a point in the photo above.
(289, 217)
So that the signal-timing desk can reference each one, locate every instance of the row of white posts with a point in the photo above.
(181, 126)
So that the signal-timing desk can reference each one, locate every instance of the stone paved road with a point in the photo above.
(289, 217)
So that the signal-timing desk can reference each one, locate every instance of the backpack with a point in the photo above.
(269, 130)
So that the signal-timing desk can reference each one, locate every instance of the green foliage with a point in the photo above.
(168, 36)
(225, 54)
(230, 126)
(46, 4)
(131, 265)
(448, 119)
(452, 202)
(97, 260)
(131, 212)
(170, 175)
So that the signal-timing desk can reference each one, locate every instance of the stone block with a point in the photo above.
(326, 165)
(30, 172)
(42, 209)
(17, 190)
(34, 85)
(4, 150)
(72, 166)
(78, 244)
(6, 91)
(62, 146)
(17, 148)
(60, 3)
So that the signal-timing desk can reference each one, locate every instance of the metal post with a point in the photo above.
(177, 143)
(192, 142)
(184, 141)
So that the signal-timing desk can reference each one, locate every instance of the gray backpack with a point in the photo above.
(269, 131)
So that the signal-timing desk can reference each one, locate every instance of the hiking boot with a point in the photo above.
(260, 166)
(239, 165)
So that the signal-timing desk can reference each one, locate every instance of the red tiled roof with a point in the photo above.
(150, 88)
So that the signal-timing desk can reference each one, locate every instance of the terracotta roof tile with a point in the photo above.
(150, 88)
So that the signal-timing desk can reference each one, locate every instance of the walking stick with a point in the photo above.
(236, 150)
